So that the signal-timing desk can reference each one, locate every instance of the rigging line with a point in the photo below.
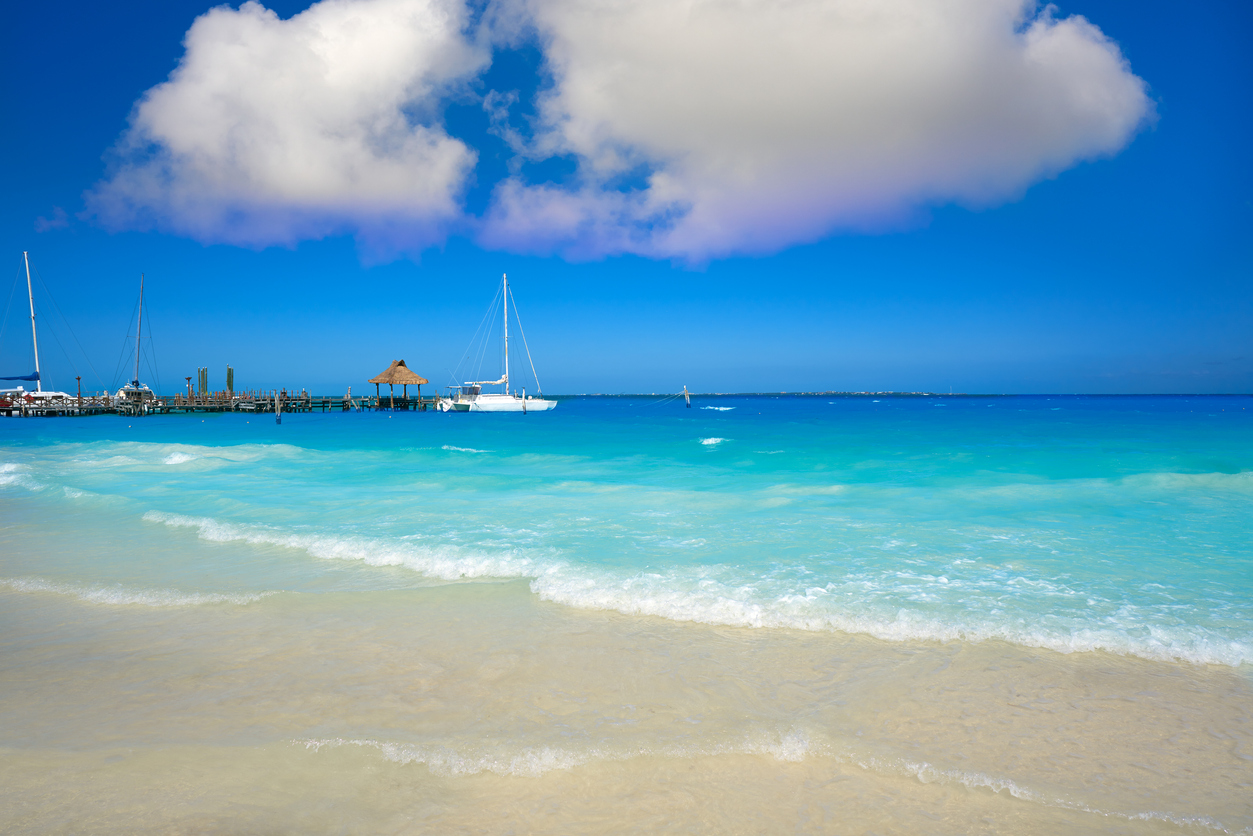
(666, 399)
(539, 390)
(68, 327)
(64, 353)
(123, 355)
(468, 353)
(4, 323)
(50, 326)
(152, 351)
(487, 335)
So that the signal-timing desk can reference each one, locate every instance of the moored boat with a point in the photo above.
(470, 397)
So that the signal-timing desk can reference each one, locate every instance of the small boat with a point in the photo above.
(470, 397)
(136, 394)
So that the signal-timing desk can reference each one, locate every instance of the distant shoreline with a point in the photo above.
(901, 395)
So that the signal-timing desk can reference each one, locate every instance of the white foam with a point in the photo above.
(118, 595)
(12, 473)
(534, 761)
(179, 458)
(790, 746)
(710, 442)
(719, 408)
(929, 774)
(702, 595)
(436, 560)
(463, 449)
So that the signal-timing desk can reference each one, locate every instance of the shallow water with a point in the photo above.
(894, 615)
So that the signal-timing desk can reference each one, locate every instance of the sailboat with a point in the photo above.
(8, 396)
(470, 397)
(134, 392)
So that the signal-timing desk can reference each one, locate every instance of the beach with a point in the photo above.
(758, 615)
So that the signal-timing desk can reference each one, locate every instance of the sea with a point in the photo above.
(759, 614)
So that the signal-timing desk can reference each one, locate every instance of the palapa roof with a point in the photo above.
(398, 372)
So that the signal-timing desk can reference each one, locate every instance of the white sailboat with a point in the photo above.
(470, 396)
(40, 395)
(136, 393)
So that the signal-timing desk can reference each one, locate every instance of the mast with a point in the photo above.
(34, 338)
(505, 278)
(139, 330)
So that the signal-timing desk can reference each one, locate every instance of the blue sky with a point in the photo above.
(1121, 269)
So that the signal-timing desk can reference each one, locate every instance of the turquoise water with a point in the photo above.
(1028, 615)
(1068, 523)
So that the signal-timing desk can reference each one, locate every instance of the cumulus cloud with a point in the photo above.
(710, 127)
(697, 129)
(271, 131)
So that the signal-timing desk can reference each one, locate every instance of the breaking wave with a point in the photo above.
(436, 560)
(699, 596)
(719, 595)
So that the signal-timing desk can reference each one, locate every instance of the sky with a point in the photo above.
(982, 196)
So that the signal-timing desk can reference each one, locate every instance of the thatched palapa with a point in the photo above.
(398, 372)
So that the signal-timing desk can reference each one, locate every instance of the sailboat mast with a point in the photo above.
(505, 279)
(139, 330)
(34, 338)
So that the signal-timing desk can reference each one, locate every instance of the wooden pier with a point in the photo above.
(251, 402)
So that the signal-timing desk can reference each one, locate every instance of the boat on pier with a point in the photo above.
(19, 400)
(135, 398)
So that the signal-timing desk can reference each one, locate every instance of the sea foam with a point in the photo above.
(533, 761)
(435, 560)
(117, 595)
(719, 594)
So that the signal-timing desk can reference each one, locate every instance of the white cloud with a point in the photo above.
(700, 128)
(764, 123)
(272, 131)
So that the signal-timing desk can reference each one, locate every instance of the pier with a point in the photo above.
(27, 405)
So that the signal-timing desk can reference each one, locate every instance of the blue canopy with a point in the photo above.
(31, 376)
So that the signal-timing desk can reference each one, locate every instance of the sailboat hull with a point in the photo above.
(509, 403)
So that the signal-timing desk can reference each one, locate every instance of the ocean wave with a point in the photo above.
(436, 560)
(719, 408)
(699, 596)
(711, 442)
(898, 608)
(118, 595)
(463, 449)
(139, 454)
(12, 473)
